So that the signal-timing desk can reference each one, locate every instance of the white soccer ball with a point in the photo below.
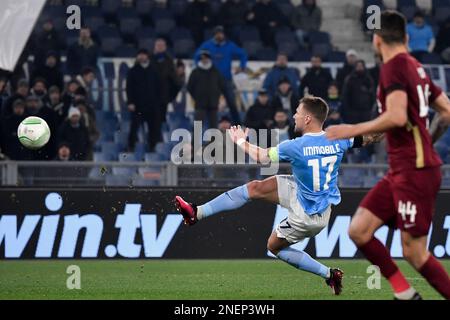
(33, 133)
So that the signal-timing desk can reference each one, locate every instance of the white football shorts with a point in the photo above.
(298, 225)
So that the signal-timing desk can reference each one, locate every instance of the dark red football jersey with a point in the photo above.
(409, 147)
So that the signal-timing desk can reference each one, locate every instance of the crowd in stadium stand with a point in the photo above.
(212, 33)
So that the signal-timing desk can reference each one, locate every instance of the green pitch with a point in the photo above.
(190, 279)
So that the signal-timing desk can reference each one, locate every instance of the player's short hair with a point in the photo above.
(393, 27)
(316, 106)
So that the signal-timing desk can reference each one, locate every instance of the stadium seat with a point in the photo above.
(266, 54)
(94, 23)
(441, 15)
(408, 11)
(139, 151)
(438, 4)
(117, 180)
(318, 37)
(184, 48)
(250, 33)
(164, 150)
(144, 8)
(110, 8)
(129, 22)
(336, 56)
(110, 151)
(431, 58)
(164, 26)
(252, 48)
(139, 181)
(289, 48)
(321, 49)
(152, 157)
(126, 51)
(405, 3)
(285, 35)
(302, 55)
(178, 7)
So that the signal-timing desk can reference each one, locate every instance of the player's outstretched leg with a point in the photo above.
(303, 261)
(362, 229)
(416, 253)
(230, 200)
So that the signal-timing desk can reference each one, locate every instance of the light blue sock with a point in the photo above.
(229, 200)
(303, 261)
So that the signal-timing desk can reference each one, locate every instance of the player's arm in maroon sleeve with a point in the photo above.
(395, 116)
(441, 120)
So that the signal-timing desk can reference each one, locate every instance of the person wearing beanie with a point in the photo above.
(74, 132)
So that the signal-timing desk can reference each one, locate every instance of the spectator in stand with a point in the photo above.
(335, 106)
(285, 99)
(420, 35)
(351, 56)
(88, 120)
(50, 71)
(68, 95)
(260, 114)
(267, 17)
(206, 85)
(35, 107)
(54, 102)
(163, 63)
(76, 134)
(85, 79)
(223, 52)
(443, 41)
(22, 92)
(233, 15)
(143, 94)
(306, 17)
(179, 103)
(282, 124)
(47, 41)
(83, 53)
(39, 88)
(374, 72)
(3, 92)
(358, 98)
(281, 70)
(316, 80)
(12, 148)
(64, 153)
(198, 17)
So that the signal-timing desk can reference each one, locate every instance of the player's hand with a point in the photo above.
(342, 131)
(131, 107)
(236, 133)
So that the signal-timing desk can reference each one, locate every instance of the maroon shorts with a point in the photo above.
(405, 200)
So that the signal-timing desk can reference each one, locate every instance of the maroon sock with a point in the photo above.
(377, 253)
(436, 275)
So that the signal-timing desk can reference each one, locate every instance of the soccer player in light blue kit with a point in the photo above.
(307, 194)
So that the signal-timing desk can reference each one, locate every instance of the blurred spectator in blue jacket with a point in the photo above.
(281, 70)
(222, 52)
(421, 37)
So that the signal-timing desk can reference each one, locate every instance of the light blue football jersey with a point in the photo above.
(315, 163)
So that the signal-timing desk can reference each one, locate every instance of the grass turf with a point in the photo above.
(191, 279)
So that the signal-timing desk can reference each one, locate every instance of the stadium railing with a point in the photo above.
(145, 174)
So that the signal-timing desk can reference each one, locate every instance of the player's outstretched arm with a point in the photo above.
(394, 116)
(441, 120)
(239, 137)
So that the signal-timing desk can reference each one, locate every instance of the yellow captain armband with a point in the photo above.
(273, 154)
